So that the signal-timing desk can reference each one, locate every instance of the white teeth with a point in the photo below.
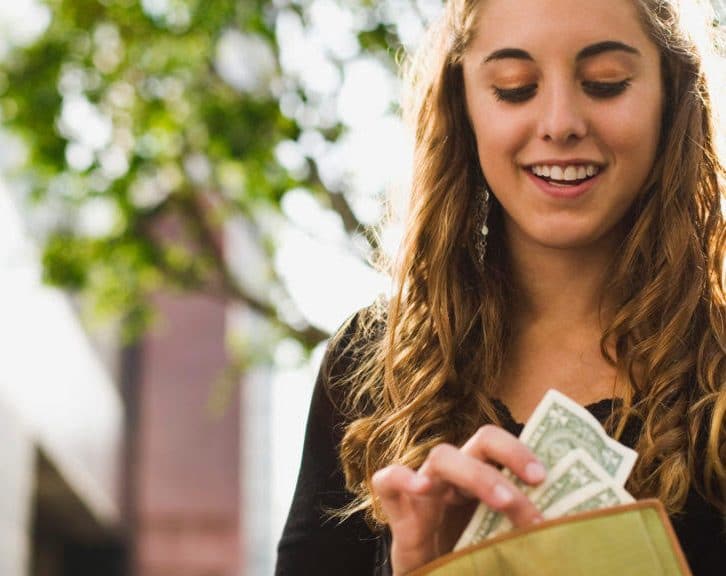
(568, 173)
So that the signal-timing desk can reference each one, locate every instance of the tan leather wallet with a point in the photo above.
(630, 540)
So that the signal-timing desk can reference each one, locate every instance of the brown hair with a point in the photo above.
(428, 377)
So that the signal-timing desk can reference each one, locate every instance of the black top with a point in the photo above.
(313, 543)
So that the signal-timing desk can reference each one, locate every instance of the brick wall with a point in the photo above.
(187, 481)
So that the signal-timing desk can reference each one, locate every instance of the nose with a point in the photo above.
(562, 118)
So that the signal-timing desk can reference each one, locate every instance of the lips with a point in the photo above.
(565, 181)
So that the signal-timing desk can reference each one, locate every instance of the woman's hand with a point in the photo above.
(427, 510)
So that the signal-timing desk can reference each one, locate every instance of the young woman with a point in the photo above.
(565, 231)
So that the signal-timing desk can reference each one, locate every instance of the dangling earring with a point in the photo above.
(481, 230)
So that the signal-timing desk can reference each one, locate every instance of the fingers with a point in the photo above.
(467, 471)
(395, 485)
(497, 445)
(453, 476)
(392, 481)
(427, 509)
(414, 510)
(450, 465)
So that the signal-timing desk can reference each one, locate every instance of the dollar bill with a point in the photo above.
(575, 472)
(557, 427)
(593, 497)
(478, 528)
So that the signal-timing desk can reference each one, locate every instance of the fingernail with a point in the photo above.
(502, 495)
(535, 472)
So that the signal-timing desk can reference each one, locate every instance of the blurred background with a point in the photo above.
(193, 196)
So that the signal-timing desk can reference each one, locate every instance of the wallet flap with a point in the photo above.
(633, 539)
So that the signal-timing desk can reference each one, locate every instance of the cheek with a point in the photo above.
(633, 129)
(634, 145)
(499, 132)
(499, 136)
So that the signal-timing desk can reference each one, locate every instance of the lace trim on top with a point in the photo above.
(600, 409)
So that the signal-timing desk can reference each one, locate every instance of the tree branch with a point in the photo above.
(207, 239)
(339, 203)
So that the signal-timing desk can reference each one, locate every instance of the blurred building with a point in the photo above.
(61, 428)
(185, 490)
(111, 461)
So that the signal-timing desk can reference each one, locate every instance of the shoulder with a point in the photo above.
(354, 339)
(351, 349)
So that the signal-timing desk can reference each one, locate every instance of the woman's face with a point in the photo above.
(565, 100)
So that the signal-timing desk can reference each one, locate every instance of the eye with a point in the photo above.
(515, 95)
(605, 89)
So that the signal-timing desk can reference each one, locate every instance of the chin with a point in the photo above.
(597, 234)
(562, 238)
(563, 232)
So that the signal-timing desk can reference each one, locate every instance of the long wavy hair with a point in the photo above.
(427, 359)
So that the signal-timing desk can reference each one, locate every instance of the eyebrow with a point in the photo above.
(586, 52)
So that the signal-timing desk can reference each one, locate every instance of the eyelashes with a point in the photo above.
(606, 89)
(598, 90)
(515, 95)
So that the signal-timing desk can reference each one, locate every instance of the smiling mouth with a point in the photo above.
(565, 176)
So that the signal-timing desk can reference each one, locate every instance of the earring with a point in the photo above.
(481, 231)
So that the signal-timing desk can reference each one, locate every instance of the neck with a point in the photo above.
(560, 286)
